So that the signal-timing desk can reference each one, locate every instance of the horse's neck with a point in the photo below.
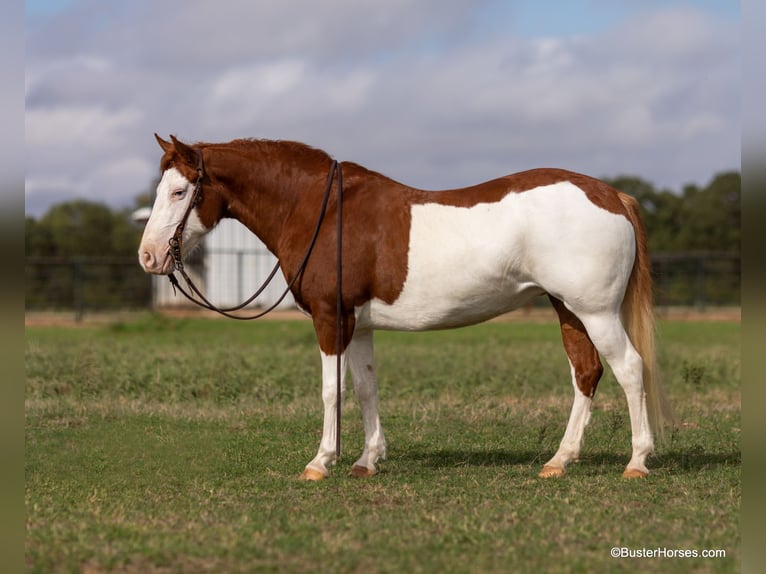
(272, 202)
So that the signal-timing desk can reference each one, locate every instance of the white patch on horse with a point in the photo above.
(469, 264)
(167, 211)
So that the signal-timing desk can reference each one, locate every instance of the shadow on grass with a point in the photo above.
(673, 460)
(691, 460)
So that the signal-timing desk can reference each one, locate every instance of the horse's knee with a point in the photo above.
(329, 395)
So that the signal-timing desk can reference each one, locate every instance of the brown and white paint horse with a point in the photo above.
(418, 260)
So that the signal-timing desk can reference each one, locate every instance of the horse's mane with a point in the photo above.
(293, 148)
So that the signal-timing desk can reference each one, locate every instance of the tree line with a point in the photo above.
(699, 219)
(82, 254)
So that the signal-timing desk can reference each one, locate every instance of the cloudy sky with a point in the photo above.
(434, 93)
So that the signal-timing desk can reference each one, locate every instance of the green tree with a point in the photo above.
(698, 219)
(79, 228)
(82, 228)
(37, 238)
(90, 258)
(710, 216)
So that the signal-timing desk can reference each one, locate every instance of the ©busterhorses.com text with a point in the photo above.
(664, 552)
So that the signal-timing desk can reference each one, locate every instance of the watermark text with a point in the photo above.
(664, 552)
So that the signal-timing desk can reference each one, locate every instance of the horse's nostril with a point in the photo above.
(148, 259)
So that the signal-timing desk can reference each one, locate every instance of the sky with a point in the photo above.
(433, 93)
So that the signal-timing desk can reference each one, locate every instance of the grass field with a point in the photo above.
(174, 445)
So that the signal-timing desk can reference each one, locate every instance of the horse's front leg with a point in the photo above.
(317, 468)
(360, 358)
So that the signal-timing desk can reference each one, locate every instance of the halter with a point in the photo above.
(175, 250)
(175, 241)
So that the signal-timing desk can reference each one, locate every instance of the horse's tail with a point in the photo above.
(638, 318)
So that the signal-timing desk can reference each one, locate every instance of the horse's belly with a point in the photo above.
(443, 309)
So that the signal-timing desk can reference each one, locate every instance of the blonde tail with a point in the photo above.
(638, 319)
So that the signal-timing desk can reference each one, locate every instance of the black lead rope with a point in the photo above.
(339, 315)
(175, 249)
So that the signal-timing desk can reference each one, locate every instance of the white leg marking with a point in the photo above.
(609, 337)
(360, 357)
(326, 454)
(570, 446)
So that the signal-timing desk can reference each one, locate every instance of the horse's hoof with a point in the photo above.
(311, 474)
(362, 472)
(634, 473)
(549, 471)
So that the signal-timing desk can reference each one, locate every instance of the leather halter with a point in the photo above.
(177, 239)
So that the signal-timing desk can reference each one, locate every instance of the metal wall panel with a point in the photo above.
(237, 264)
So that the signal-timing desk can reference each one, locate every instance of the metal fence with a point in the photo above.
(697, 279)
(81, 285)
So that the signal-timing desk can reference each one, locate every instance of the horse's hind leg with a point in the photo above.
(366, 389)
(586, 372)
(609, 336)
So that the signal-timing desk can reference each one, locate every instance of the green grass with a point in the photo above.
(160, 445)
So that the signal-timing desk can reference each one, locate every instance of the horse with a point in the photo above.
(417, 260)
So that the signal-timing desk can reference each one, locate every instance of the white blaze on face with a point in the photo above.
(174, 193)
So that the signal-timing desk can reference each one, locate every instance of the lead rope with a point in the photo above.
(339, 316)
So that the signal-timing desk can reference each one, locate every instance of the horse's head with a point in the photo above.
(175, 192)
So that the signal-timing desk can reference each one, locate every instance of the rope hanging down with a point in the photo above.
(338, 313)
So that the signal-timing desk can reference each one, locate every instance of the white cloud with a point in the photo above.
(350, 91)
(113, 181)
(116, 182)
(83, 128)
(265, 80)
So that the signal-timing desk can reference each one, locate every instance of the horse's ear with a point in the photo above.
(165, 145)
(186, 152)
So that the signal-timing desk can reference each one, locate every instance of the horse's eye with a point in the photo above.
(178, 193)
